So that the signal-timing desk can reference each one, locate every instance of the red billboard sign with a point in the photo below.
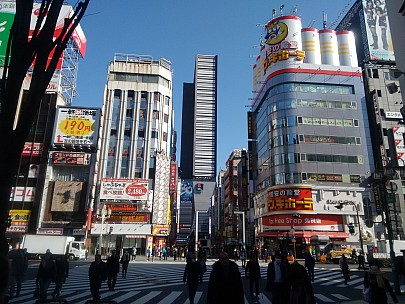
(317, 222)
(173, 177)
(290, 199)
(124, 189)
(32, 149)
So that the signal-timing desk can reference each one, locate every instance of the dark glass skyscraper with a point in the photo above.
(199, 122)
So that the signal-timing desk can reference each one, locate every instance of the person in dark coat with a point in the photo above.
(97, 274)
(277, 280)
(19, 266)
(374, 278)
(310, 266)
(225, 283)
(46, 274)
(60, 276)
(192, 274)
(361, 261)
(252, 273)
(125, 263)
(301, 291)
(344, 266)
(113, 268)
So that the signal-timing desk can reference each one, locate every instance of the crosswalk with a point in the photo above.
(163, 283)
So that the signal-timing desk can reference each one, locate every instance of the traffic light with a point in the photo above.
(351, 228)
(8, 221)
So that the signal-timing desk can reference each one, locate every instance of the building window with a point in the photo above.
(166, 118)
(154, 134)
(113, 132)
(379, 93)
(375, 73)
(130, 113)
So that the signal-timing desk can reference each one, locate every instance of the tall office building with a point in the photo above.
(198, 155)
(136, 148)
(378, 57)
(199, 122)
(310, 138)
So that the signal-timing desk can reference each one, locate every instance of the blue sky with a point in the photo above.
(177, 30)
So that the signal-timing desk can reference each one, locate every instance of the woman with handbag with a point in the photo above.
(376, 287)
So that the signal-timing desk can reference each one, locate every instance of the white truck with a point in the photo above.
(38, 244)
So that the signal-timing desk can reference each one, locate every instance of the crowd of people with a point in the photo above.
(288, 281)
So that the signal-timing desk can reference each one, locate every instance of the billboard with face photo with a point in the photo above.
(377, 31)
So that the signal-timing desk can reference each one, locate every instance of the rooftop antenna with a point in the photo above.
(325, 19)
(294, 11)
(274, 13)
(311, 24)
(281, 9)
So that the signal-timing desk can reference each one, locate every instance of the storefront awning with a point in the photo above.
(308, 235)
(122, 229)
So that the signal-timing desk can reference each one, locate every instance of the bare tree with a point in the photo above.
(21, 52)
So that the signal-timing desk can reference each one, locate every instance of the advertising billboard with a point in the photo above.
(66, 196)
(281, 45)
(32, 149)
(6, 21)
(186, 192)
(76, 126)
(290, 199)
(22, 194)
(377, 30)
(124, 189)
(399, 143)
(71, 158)
(7, 13)
(19, 220)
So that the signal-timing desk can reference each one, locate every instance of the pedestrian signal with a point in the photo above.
(351, 228)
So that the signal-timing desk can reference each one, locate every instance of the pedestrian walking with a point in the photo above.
(153, 253)
(252, 273)
(378, 286)
(113, 268)
(277, 279)
(192, 274)
(97, 274)
(19, 265)
(164, 253)
(243, 257)
(125, 263)
(225, 283)
(133, 253)
(174, 253)
(46, 275)
(310, 265)
(60, 276)
(361, 261)
(344, 266)
(148, 253)
(300, 289)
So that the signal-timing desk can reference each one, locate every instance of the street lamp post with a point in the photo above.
(243, 228)
(103, 214)
(196, 231)
(340, 206)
